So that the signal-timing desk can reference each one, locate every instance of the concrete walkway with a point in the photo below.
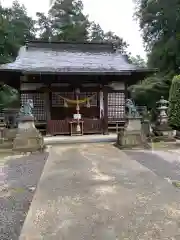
(94, 191)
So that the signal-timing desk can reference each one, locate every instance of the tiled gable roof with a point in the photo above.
(69, 57)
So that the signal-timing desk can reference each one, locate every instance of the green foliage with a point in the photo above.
(150, 90)
(174, 103)
(66, 21)
(15, 28)
(160, 25)
(138, 61)
(8, 96)
(44, 26)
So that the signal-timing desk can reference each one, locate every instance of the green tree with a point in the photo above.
(149, 91)
(95, 32)
(138, 61)
(174, 103)
(68, 21)
(160, 25)
(8, 96)
(44, 26)
(118, 42)
(6, 46)
(15, 28)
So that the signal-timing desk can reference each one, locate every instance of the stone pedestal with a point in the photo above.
(133, 135)
(11, 117)
(28, 138)
(164, 132)
(145, 126)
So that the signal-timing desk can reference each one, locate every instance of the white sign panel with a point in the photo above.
(77, 116)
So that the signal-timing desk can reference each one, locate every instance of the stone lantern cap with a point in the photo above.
(162, 101)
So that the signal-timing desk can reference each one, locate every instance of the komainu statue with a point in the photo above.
(132, 111)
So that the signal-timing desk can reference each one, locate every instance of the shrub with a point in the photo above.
(174, 103)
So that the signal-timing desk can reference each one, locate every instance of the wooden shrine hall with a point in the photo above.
(76, 88)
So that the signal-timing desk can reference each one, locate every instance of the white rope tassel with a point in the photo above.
(88, 104)
(65, 104)
(78, 128)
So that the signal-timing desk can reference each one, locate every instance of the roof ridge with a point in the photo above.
(71, 46)
(70, 42)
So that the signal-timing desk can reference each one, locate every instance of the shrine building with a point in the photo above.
(75, 87)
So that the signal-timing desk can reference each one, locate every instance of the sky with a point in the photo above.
(114, 15)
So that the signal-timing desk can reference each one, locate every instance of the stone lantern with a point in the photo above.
(162, 107)
(162, 128)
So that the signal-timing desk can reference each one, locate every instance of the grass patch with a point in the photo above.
(3, 155)
(176, 184)
(166, 145)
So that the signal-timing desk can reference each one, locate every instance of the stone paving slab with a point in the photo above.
(95, 191)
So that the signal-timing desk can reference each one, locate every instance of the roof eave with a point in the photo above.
(123, 72)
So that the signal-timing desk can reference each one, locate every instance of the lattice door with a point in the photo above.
(116, 106)
(39, 110)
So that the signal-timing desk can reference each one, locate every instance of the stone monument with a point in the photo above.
(28, 138)
(146, 124)
(132, 136)
(2, 130)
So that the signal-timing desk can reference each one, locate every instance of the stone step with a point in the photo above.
(6, 145)
(79, 139)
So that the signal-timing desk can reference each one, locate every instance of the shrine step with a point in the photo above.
(79, 139)
(6, 145)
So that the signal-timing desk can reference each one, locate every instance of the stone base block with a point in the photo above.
(134, 124)
(161, 139)
(132, 139)
(164, 132)
(6, 144)
(169, 133)
(28, 140)
(10, 134)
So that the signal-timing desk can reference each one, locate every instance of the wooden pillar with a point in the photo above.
(47, 105)
(101, 104)
(105, 119)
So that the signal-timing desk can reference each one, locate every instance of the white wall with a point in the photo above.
(31, 86)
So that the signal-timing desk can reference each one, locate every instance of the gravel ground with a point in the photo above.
(18, 181)
(163, 163)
